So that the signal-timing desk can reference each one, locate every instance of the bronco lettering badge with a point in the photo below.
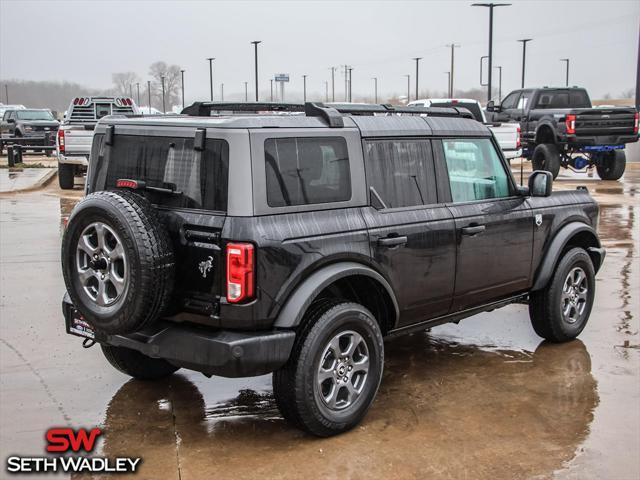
(206, 266)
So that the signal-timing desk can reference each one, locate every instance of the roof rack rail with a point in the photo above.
(331, 113)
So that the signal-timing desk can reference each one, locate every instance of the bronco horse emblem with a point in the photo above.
(206, 266)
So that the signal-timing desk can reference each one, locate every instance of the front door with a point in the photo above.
(494, 225)
(412, 237)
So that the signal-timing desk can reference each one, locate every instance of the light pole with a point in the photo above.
(566, 60)
(182, 85)
(417, 59)
(333, 84)
(375, 88)
(451, 74)
(222, 92)
(211, 59)
(449, 84)
(255, 47)
(524, 56)
(408, 87)
(304, 88)
(6, 92)
(138, 90)
(491, 6)
(164, 107)
(246, 91)
(350, 84)
(499, 83)
(326, 91)
(346, 83)
(271, 84)
(149, 92)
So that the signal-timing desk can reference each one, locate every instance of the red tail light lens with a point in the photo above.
(76, 101)
(61, 140)
(240, 272)
(519, 139)
(570, 123)
(635, 124)
(125, 183)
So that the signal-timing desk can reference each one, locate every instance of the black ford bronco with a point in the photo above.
(243, 243)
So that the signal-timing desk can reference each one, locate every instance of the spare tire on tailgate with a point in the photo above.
(117, 261)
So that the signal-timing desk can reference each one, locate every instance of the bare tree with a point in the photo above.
(171, 74)
(628, 93)
(123, 82)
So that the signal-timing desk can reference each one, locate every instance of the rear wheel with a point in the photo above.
(546, 157)
(560, 311)
(611, 165)
(137, 365)
(66, 176)
(334, 371)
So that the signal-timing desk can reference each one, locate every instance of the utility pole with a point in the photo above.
(451, 72)
(6, 92)
(246, 91)
(164, 107)
(524, 56)
(271, 85)
(333, 84)
(255, 47)
(304, 88)
(408, 87)
(499, 83)
(350, 85)
(149, 92)
(375, 88)
(138, 89)
(326, 91)
(490, 6)
(449, 84)
(211, 59)
(222, 92)
(182, 85)
(417, 59)
(566, 60)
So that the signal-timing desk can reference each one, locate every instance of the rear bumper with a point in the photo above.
(509, 154)
(584, 140)
(213, 352)
(73, 159)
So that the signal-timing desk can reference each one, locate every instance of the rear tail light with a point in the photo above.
(76, 101)
(240, 272)
(635, 124)
(61, 140)
(570, 122)
(126, 183)
(519, 139)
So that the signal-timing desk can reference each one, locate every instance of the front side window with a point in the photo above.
(523, 101)
(401, 172)
(475, 170)
(304, 171)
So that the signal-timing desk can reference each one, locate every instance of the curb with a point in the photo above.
(43, 182)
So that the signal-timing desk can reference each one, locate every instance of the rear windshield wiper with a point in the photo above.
(141, 185)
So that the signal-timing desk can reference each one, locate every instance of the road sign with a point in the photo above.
(282, 77)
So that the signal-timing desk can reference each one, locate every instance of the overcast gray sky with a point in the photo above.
(86, 41)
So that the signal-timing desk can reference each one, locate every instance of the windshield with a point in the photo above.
(34, 115)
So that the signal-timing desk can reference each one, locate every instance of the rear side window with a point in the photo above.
(475, 170)
(303, 171)
(401, 172)
(199, 178)
(563, 99)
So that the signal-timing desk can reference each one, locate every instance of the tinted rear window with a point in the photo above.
(199, 178)
(563, 99)
(303, 171)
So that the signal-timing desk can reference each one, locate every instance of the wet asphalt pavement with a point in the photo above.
(482, 399)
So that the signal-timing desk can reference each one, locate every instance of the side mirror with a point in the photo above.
(540, 183)
(11, 120)
(492, 107)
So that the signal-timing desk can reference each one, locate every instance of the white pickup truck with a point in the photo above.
(75, 135)
(507, 134)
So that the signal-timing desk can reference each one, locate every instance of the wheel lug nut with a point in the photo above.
(102, 276)
(350, 368)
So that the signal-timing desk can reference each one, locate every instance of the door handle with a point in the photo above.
(392, 241)
(473, 230)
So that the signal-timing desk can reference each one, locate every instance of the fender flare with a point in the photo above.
(552, 255)
(294, 309)
(545, 123)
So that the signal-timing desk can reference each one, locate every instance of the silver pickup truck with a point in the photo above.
(75, 135)
(507, 133)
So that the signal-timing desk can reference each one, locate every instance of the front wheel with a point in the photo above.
(611, 165)
(334, 371)
(137, 365)
(560, 311)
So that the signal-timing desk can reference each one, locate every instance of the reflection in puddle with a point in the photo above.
(441, 407)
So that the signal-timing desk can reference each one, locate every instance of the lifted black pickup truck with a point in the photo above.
(560, 128)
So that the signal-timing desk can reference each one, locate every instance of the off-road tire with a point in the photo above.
(545, 306)
(136, 364)
(66, 176)
(546, 157)
(149, 253)
(294, 385)
(612, 165)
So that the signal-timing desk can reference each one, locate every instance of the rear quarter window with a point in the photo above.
(304, 171)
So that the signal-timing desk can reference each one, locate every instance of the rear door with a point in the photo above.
(412, 237)
(494, 225)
